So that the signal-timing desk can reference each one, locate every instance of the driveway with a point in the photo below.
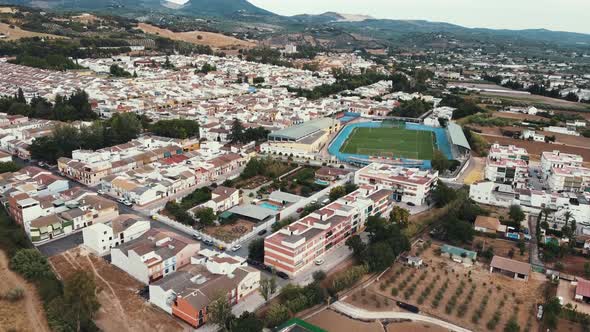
(358, 313)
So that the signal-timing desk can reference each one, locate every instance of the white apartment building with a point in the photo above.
(557, 159)
(100, 238)
(409, 185)
(512, 152)
(572, 179)
(509, 171)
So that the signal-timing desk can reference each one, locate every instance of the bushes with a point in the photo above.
(349, 277)
(14, 295)
(30, 264)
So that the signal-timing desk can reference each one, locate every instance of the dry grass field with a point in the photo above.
(23, 315)
(215, 40)
(122, 309)
(18, 33)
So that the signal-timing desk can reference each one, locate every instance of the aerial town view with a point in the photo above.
(274, 165)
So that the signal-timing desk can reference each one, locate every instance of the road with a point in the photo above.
(358, 313)
(533, 246)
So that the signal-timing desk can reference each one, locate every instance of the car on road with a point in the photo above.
(262, 232)
(299, 210)
(120, 200)
(197, 237)
(282, 275)
(101, 192)
(127, 203)
(208, 242)
(319, 261)
(411, 204)
(236, 248)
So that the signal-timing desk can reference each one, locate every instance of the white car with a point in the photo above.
(100, 192)
(120, 200)
(236, 247)
(127, 203)
(319, 261)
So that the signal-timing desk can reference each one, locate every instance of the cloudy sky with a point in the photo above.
(562, 15)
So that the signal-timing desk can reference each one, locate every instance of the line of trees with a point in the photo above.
(120, 128)
(344, 81)
(176, 128)
(65, 108)
(239, 134)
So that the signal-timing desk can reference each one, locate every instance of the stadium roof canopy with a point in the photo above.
(457, 136)
(300, 131)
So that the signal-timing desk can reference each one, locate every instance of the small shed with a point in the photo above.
(509, 267)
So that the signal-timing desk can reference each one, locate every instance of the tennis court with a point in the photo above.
(390, 142)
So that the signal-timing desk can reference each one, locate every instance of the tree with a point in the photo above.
(400, 216)
(79, 299)
(276, 315)
(124, 127)
(9, 166)
(219, 312)
(551, 311)
(31, 264)
(337, 192)
(176, 128)
(237, 132)
(439, 161)
(516, 213)
(268, 286)
(20, 96)
(256, 250)
(319, 275)
(457, 231)
(206, 216)
(247, 322)
(117, 71)
(512, 326)
(587, 270)
(443, 194)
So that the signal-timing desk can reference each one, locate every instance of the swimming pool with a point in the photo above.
(267, 205)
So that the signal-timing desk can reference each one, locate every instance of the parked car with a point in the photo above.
(127, 203)
(319, 261)
(282, 275)
(262, 232)
(208, 242)
(236, 248)
(120, 200)
(101, 192)
(411, 204)
(197, 237)
(299, 210)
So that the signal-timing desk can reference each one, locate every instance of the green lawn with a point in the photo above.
(391, 142)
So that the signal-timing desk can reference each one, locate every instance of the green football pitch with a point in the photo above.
(391, 142)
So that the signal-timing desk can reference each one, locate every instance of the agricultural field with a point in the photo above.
(391, 142)
(470, 297)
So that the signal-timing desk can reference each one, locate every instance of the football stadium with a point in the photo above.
(402, 143)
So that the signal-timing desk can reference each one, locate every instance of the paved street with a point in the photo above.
(60, 245)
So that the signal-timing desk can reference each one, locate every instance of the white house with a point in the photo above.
(100, 238)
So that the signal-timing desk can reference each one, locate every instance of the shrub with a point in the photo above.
(15, 294)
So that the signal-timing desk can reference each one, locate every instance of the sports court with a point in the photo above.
(392, 141)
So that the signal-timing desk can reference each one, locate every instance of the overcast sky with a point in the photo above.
(562, 15)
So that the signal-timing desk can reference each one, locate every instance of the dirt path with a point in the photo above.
(25, 315)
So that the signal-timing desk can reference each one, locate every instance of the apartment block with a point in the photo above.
(509, 171)
(572, 179)
(557, 159)
(410, 185)
(511, 152)
(155, 255)
(297, 245)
